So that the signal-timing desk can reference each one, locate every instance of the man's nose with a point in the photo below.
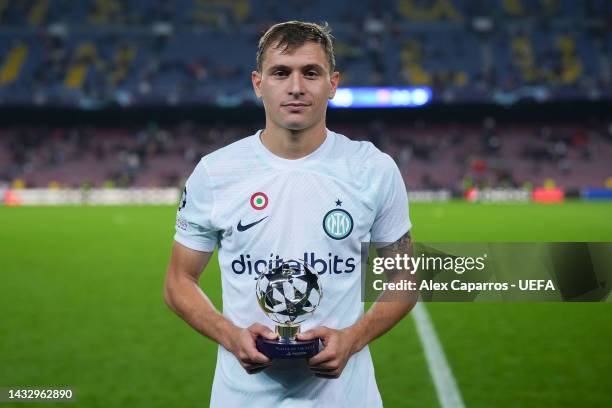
(296, 84)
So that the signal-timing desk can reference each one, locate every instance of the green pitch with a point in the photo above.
(81, 306)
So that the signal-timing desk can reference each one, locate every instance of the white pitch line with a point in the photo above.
(446, 386)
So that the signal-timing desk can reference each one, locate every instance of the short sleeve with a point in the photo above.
(194, 228)
(392, 218)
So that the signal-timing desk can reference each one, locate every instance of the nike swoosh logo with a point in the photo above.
(246, 227)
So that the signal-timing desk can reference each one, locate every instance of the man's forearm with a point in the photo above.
(381, 317)
(390, 307)
(187, 300)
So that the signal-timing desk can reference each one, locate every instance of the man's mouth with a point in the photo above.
(295, 107)
(296, 104)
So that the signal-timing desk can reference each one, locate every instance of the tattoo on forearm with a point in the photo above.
(401, 246)
(400, 249)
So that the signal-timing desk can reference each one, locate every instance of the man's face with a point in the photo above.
(295, 86)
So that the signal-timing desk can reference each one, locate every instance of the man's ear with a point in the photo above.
(335, 80)
(256, 80)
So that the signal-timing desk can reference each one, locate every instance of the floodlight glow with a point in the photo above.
(421, 96)
(343, 97)
(379, 97)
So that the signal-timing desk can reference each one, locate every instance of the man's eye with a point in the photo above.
(312, 73)
(279, 73)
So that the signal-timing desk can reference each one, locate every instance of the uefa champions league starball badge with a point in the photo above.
(287, 294)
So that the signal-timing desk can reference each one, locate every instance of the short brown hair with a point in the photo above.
(293, 34)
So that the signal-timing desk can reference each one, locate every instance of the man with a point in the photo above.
(267, 197)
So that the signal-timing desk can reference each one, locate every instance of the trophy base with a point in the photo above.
(277, 349)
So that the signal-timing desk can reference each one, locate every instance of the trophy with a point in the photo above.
(286, 294)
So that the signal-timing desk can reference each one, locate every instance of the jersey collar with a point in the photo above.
(278, 161)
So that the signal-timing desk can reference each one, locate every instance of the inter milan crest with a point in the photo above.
(338, 223)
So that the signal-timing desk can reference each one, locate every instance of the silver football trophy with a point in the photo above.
(286, 294)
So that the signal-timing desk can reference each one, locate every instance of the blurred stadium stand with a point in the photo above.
(92, 53)
(430, 156)
(115, 56)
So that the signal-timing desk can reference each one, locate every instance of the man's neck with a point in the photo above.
(293, 144)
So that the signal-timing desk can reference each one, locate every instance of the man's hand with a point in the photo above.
(339, 347)
(245, 350)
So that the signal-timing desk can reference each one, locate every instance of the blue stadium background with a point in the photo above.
(521, 89)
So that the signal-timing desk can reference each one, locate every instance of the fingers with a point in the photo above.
(251, 359)
(261, 330)
(330, 363)
(316, 332)
(330, 369)
(327, 363)
(250, 355)
(327, 354)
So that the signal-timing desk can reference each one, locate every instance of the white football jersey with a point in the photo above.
(259, 208)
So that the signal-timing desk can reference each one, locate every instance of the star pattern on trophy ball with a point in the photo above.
(288, 291)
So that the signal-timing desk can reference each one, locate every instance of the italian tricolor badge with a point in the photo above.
(259, 201)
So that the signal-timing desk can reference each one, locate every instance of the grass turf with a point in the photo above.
(81, 302)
